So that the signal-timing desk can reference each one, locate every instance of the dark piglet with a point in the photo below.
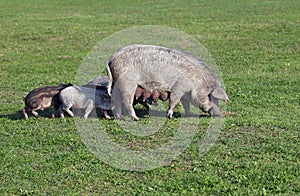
(42, 98)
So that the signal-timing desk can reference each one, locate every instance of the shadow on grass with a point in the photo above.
(142, 113)
(18, 115)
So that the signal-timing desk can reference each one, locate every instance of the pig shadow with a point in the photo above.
(18, 115)
(47, 113)
(15, 116)
(142, 113)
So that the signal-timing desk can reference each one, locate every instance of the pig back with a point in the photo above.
(147, 63)
(40, 95)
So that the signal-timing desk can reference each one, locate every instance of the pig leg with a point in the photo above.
(56, 105)
(61, 111)
(186, 105)
(107, 117)
(69, 112)
(54, 111)
(129, 106)
(53, 114)
(125, 90)
(24, 111)
(174, 100)
(35, 113)
(117, 103)
(67, 109)
(89, 107)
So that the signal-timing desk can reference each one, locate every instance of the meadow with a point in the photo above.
(254, 43)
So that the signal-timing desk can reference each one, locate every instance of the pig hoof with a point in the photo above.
(170, 115)
(135, 118)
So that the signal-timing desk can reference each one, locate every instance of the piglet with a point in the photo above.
(42, 98)
(85, 98)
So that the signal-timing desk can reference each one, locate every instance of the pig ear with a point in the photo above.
(219, 93)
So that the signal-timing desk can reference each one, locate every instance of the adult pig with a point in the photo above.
(169, 70)
(84, 98)
(42, 98)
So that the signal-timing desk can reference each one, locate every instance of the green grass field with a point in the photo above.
(254, 43)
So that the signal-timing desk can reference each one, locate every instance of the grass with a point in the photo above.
(255, 44)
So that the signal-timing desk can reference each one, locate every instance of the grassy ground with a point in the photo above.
(255, 44)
